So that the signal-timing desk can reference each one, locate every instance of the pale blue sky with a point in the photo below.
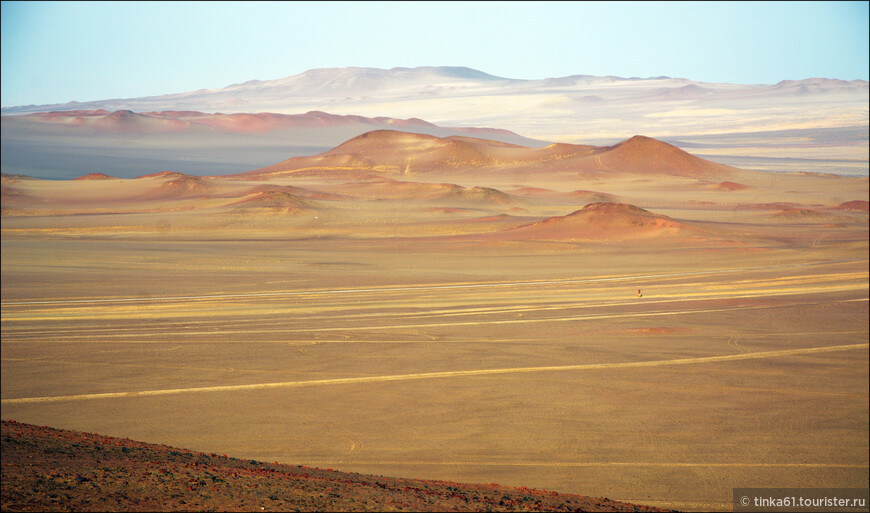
(58, 52)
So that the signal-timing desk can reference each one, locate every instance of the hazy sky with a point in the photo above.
(58, 52)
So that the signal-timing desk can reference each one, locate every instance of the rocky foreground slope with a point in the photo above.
(47, 469)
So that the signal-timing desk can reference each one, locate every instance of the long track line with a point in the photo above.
(630, 464)
(436, 375)
(276, 330)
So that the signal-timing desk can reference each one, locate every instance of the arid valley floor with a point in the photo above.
(457, 309)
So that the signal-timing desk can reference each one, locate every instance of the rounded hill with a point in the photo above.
(393, 153)
(600, 221)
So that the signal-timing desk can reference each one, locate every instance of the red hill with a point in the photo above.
(185, 185)
(856, 205)
(192, 123)
(176, 186)
(391, 153)
(95, 176)
(125, 121)
(600, 221)
(646, 155)
(731, 186)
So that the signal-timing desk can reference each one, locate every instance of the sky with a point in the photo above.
(56, 52)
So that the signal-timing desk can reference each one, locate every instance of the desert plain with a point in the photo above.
(626, 321)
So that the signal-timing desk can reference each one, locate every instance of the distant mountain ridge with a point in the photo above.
(318, 82)
(124, 143)
(350, 73)
(577, 109)
(163, 121)
(129, 122)
(355, 83)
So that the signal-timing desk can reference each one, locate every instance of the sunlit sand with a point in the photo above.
(456, 309)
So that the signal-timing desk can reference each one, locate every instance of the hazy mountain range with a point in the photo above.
(335, 89)
(464, 96)
(821, 122)
(67, 144)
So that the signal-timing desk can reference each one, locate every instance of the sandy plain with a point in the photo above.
(400, 326)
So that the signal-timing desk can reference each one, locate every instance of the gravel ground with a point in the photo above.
(47, 469)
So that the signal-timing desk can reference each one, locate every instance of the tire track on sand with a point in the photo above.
(435, 375)
(568, 464)
(420, 287)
